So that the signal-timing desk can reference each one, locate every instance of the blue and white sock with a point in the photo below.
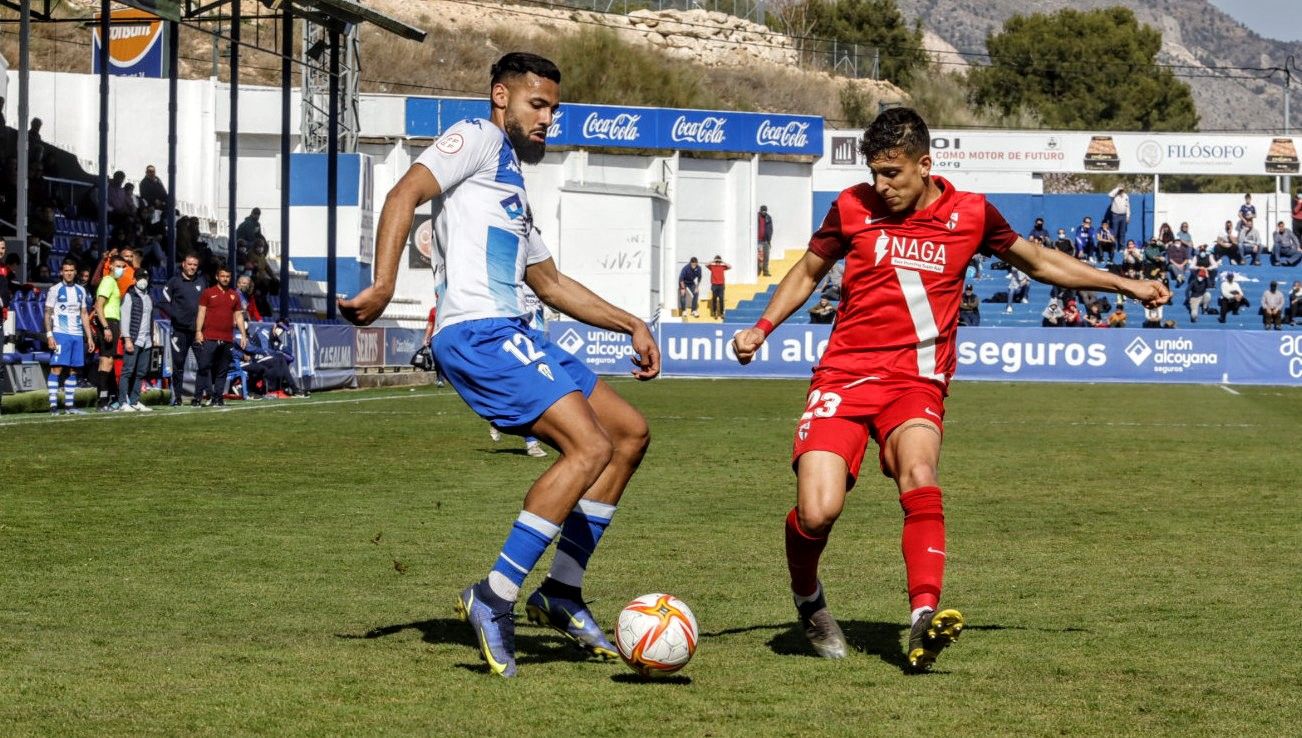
(70, 390)
(52, 389)
(529, 538)
(579, 537)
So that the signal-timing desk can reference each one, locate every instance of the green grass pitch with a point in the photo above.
(1129, 559)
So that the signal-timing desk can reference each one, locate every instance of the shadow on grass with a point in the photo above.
(508, 451)
(630, 678)
(538, 646)
(885, 640)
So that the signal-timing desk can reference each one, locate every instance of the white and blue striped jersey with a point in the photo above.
(67, 301)
(483, 228)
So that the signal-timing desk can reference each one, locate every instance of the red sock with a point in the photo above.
(923, 544)
(803, 552)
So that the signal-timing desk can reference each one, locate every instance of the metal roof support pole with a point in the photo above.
(233, 149)
(286, 93)
(169, 217)
(24, 62)
(332, 181)
(103, 124)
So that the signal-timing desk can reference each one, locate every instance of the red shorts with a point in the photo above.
(841, 414)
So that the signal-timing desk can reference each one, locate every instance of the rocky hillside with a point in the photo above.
(1193, 32)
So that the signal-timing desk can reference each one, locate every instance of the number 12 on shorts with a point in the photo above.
(522, 348)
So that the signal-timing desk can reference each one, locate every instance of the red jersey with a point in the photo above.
(433, 313)
(903, 280)
(220, 306)
(716, 272)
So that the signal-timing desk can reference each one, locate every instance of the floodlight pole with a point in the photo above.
(24, 47)
(103, 124)
(1288, 92)
(332, 180)
(233, 149)
(286, 93)
(169, 217)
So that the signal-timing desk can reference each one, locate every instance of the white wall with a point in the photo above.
(786, 189)
(1207, 213)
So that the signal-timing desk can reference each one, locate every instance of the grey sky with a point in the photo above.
(1277, 19)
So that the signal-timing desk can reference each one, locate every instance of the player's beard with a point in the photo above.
(529, 151)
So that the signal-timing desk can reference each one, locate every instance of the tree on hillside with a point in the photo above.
(869, 23)
(1083, 70)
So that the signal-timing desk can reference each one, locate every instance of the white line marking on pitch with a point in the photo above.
(1230, 390)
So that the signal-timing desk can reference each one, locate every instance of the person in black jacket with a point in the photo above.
(180, 304)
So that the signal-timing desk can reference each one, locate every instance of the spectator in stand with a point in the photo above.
(219, 314)
(1232, 298)
(1107, 244)
(1118, 317)
(430, 324)
(68, 333)
(969, 308)
(80, 253)
(1038, 234)
(108, 312)
(1285, 251)
(1272, 307)
(1198, 294)
(181, 306)
(1071, 315)
(717, 268)
(1019, 287)
(689, 287)
(1084, 239)
(1227, 245)
(152, 189)
(35, 144)
(1152, 317)
(1154, 260)
(1184, 236)
(119, 200)
(832, 285)
(1132, 261)
(1297, 216)
(1250, 245)
(1119, 212)
(1164, 234)
(1295, 302)
(43, 274)
(267, 366)
(764, 237)
(6, 280)
(1063, 243)
(1247, 213)
(137, 344)
(823, 312)
(12, 266)
(1206, 259)
(1177, 261)
(250, 229)
(244, 286)
(1052, 315)
(1094, 317)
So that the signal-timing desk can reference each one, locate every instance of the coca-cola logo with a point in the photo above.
(793, 134)
(708, 130)
(554, 129)
(622, 127)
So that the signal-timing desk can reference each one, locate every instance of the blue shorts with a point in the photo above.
(508, 373)
(68, 351)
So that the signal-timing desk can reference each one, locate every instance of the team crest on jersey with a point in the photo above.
(546, 371)
(450, 144)
(910, 253)
(953, 221)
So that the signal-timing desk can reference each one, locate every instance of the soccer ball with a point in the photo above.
(656, 634)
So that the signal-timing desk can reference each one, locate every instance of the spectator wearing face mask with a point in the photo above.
(137, 342)
(108, 314)
(244, 286)
(1272, 307)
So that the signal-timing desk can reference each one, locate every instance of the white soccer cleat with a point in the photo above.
(535, 450)
(494, 433)
(142, 407)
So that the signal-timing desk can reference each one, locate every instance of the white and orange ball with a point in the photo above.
(656, 634)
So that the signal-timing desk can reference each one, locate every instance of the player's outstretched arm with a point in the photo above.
(579, 302)
(1056, 268)
(793, 290)
(416, 187)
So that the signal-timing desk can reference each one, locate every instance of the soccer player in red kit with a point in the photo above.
(906, 239)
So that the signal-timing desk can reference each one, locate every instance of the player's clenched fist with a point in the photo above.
(1151, 294)
(746, 343)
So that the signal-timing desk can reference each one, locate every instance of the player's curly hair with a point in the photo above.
(897, 129)
(519, 63)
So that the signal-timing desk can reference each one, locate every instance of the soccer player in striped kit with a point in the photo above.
(906, 238)
(68, 332)
(486, 251)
